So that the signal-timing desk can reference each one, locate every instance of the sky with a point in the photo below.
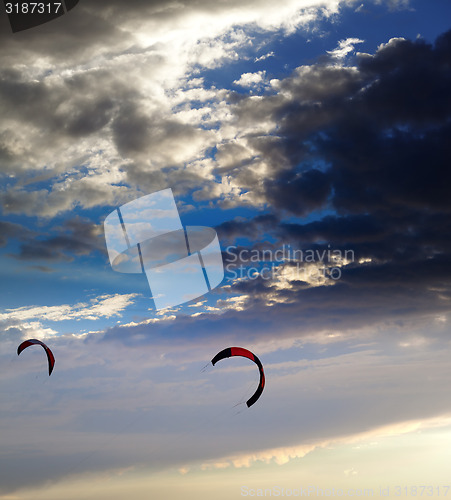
(313, 137)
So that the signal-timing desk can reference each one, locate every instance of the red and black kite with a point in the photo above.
(239, 351)
(49, 353)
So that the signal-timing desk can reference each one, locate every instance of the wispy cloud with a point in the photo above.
(283, 455)
(104, 306)
(344, 48)
(251, 79)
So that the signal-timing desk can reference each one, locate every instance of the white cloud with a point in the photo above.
(251, 79)
(283, 455)
(391, 43)
(344, 48)
(264, 56)
(104, 306)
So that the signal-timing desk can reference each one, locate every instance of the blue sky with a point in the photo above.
(319, 125)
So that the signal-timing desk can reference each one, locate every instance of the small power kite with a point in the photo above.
(49, 353)
(240, 351)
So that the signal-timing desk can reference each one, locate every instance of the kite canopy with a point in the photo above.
(49, 353)
(240, 351)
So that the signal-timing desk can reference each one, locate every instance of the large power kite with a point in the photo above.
(49, 353)
(26, 14)
(240, 351)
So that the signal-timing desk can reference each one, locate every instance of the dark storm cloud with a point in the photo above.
(131, 130)
(400, 172)
(380, 134)
(136, 132)
(11, 230)
(379, 131)
(370, 144)
(302, 192)
(379, 297)
(411, 81)
(242, 227)
(72, 106)
(42, 269)
(321, 83)
(76, 237)
(412, 237)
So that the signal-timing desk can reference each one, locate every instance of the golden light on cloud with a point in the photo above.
(283, 455)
